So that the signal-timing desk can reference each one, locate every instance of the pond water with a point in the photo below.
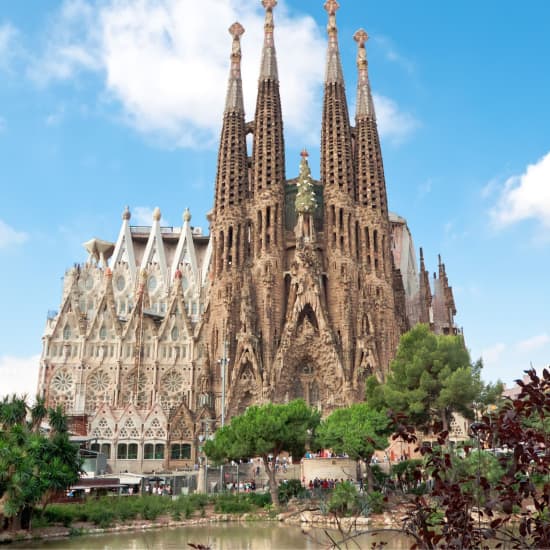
(230, 536)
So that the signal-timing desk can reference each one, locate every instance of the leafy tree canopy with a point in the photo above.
(357, 431)
(262, 431)
(34, 465)
(431, 377)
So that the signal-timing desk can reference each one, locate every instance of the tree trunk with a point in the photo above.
(273, 488)
(370, 477)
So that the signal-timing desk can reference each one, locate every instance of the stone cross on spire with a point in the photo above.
(268, 69)
(334, 66)
(365, 106)
(234, 99)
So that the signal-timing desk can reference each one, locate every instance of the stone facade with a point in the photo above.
(302, 288)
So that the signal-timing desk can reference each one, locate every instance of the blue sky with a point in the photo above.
(113, 102)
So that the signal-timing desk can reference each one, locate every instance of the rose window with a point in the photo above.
(173, 381)
(62, 381)
(99, 381)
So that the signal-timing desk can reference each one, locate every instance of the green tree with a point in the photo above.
(430, 378)
(265, 431)
(357, 431)
(33, 465)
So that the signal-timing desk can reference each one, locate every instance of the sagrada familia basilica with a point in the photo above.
(301, 289)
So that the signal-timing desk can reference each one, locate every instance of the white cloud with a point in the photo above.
(526, 196)
(492, 354)
(8, 39)
(167, 61)
(9, 236)
(534, 343)
(19, 375)
(394, 124)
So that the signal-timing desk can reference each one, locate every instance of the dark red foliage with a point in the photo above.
(457, 513)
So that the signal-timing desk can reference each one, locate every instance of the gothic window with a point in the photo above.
(67, 332)
(106, 449)
(307, 369)
(62, 381)
(159, 451)
(103, 332)
(172, 381)
(132, 451)
(120, 283)
(122, 451)
(99, 381)
(314, 393)
(180, 451)
(148, 451)
(174, 334)
(152, 283)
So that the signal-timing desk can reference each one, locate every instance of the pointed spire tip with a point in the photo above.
(269, 4)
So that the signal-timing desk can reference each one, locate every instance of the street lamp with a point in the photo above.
(224, 361)
(202, 438)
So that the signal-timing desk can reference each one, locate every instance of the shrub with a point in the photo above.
(375, 502)
(60, 513)
(261, 500)
(291, 489)
(233, 504)
(344, 499)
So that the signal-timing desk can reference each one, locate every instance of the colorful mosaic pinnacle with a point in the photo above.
(361, 37)
(269, 4)
(236, 30)
(331, 6)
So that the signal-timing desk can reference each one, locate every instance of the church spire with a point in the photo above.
(334, 65)
(336, 142)
(365, 106)
(234, 99)
(369, 168)
(268, 155)
(231, 178)
(269, 59)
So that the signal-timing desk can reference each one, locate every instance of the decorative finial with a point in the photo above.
(331, 6)
(187, 215)
(236, 30)
(178, 274)
(269, 4)
(304, 154)
(361, 37)
(126, 214)
(156, 214)
(108, 272)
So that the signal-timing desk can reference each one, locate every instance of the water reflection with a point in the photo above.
(232, 536)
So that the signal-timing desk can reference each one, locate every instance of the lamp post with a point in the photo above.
(223, 365)
(202, 438)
